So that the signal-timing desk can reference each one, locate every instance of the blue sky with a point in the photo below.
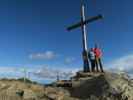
(33, 32)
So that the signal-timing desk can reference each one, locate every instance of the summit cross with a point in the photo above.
(82, 24)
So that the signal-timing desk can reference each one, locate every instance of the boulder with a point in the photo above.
(29, 94)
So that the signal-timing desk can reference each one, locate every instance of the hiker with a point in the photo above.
(98, 55)
(92, 59)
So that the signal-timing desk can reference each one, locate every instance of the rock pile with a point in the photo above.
(99, 86)
(88, 86)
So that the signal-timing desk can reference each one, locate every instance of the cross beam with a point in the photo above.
(89, 20)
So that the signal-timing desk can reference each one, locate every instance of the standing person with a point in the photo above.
(92, 59)
(98, 55)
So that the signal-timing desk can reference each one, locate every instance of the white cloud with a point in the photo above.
(7, 69)
(10, 72)
(69, 60)
(48, 55)
(36, 73)
(124, 63)
(51, 73)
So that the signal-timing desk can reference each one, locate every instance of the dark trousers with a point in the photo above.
(86, 66)
(92, 65)
(99, 63)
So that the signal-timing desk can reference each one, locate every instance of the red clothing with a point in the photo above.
(97, 52)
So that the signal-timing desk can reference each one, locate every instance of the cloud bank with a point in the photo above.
(50, 73)
(44, 72)
(124, 63)
(48, 55)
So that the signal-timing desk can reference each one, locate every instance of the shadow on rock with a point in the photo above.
(96, 86)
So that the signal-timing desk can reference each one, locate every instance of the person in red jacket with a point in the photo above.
(98, 55)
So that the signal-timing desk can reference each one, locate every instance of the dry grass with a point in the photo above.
(5, 97)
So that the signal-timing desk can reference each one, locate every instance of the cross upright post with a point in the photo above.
(82, 24)
(84, 38)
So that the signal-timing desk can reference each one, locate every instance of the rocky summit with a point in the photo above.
(83, 86)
